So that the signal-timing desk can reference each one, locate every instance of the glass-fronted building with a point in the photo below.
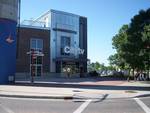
(51, 43)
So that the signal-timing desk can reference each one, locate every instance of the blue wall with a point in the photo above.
(7, 49)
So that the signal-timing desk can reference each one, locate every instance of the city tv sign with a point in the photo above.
(73, 50)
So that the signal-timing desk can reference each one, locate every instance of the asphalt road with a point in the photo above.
(18, 105)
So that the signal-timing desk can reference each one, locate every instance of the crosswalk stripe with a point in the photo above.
(83, 106)
(6, 109)
(143, 106)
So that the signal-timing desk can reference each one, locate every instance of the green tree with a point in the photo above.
(103, 67)
(146, 50)
(118, 41)
(97, 65)
(136, 40)
(132, 43)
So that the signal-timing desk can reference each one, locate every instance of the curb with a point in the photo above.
(143, 95)
(38, 97)
(68, 97)
(131, 97)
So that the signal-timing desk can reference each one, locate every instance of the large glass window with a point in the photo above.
(40, 44)
(33, 44)
(35, 60)
(65, 41)
(36, 44)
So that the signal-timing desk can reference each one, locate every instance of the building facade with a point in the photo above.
(8, 23)
(53, 43)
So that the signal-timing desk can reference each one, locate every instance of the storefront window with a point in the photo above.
(65, 41)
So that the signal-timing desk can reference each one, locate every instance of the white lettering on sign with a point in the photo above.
(73, 50)
(67, 49)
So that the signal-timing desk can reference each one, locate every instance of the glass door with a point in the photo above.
(36, 66)
(38, 70)
(36, 56)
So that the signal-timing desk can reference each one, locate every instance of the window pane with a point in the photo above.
(65, 41)
(39, 60)
(39, 69)
(33, 44)
(40, 44)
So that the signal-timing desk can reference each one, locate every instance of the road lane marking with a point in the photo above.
(83, 106)
(143, 106)
(6, 109)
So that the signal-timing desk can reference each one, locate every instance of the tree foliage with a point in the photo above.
(95, 66)
(132, 42)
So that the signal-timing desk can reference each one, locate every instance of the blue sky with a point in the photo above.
(105, 17)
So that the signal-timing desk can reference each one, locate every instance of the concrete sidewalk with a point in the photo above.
(111, 89)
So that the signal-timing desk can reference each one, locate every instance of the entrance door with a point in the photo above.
(36, 56)
(72, 65)
(36, 70)
(36, 66)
